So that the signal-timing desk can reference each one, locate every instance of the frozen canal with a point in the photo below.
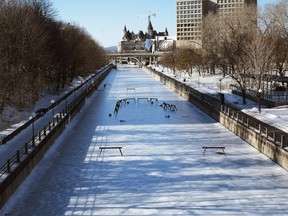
(162, 170)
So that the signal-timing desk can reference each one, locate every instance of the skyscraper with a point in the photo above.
(189, 21)
(190, 15)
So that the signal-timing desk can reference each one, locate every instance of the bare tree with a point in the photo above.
(169, 59)
(225, 43)
(259, 60)
(188, 58)
(211, 43)
(274, 21)
(39, 52)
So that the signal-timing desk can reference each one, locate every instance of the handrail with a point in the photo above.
(28, 147)
(18, 130)
(275, 135)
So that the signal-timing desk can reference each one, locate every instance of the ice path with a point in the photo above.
(162, 171)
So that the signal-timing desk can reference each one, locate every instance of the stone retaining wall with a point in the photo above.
(258, 140)
(25, 167)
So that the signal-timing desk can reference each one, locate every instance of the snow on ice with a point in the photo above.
(162, 172)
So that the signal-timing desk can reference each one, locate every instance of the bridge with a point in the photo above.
(140, 57)
(162, 171)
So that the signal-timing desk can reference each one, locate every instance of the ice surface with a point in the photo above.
(162, 172)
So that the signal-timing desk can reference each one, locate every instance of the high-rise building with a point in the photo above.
(190, 15)
(232, 6)
(189, 21)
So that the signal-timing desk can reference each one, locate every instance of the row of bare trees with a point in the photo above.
(249, 46)
(39, 52)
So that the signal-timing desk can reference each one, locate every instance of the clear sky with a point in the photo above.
(104, 20)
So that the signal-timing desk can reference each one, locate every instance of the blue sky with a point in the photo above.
(104, 20)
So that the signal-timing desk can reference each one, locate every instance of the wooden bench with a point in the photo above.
(110, 147)
(107, 85)
(155, 99)
(213, 147)
(128, 99)
(142, 99)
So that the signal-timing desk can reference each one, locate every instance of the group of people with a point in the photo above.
(167, 106)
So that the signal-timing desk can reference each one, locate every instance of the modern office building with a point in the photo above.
(189, 21)
(232, 6)
(190, 15)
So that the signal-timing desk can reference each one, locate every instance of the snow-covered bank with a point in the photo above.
(210, 84)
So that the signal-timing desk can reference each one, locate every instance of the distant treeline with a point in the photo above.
(39, 52)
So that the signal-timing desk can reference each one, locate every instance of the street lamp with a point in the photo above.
(259, 99)
(220, 87)
(33, 129)
(74, 92)
(66, 105)
(52, 102)
(220, 92)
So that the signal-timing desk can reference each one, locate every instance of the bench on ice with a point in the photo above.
(213, 147)
(101, 148)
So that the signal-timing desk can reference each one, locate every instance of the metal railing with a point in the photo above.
(57, 120)
(273, 134)
(270, 95)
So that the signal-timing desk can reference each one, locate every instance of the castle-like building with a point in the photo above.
(150, 41)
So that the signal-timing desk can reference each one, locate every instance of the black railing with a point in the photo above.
(57, 120)
(275, 135)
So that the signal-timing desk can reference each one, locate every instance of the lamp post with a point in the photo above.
(220, 92)
(52, 102)
(259, 99)
(220, 87)
(66, 104)
(74, 92)
(33, 129)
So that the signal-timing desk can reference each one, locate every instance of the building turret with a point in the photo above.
(150, 31)
(126, 34)
(166, 32)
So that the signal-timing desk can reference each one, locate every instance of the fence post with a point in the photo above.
(33, 143)
(18, 156)
(260, 129)
(283, 145)
(248, 122)
(8, 166)
(26, 148)
(44, 131)
(274, 137)
(39, 135)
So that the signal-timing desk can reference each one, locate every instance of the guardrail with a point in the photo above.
(18, 130)
(215, 107)
(270, 98)
(57, 120)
